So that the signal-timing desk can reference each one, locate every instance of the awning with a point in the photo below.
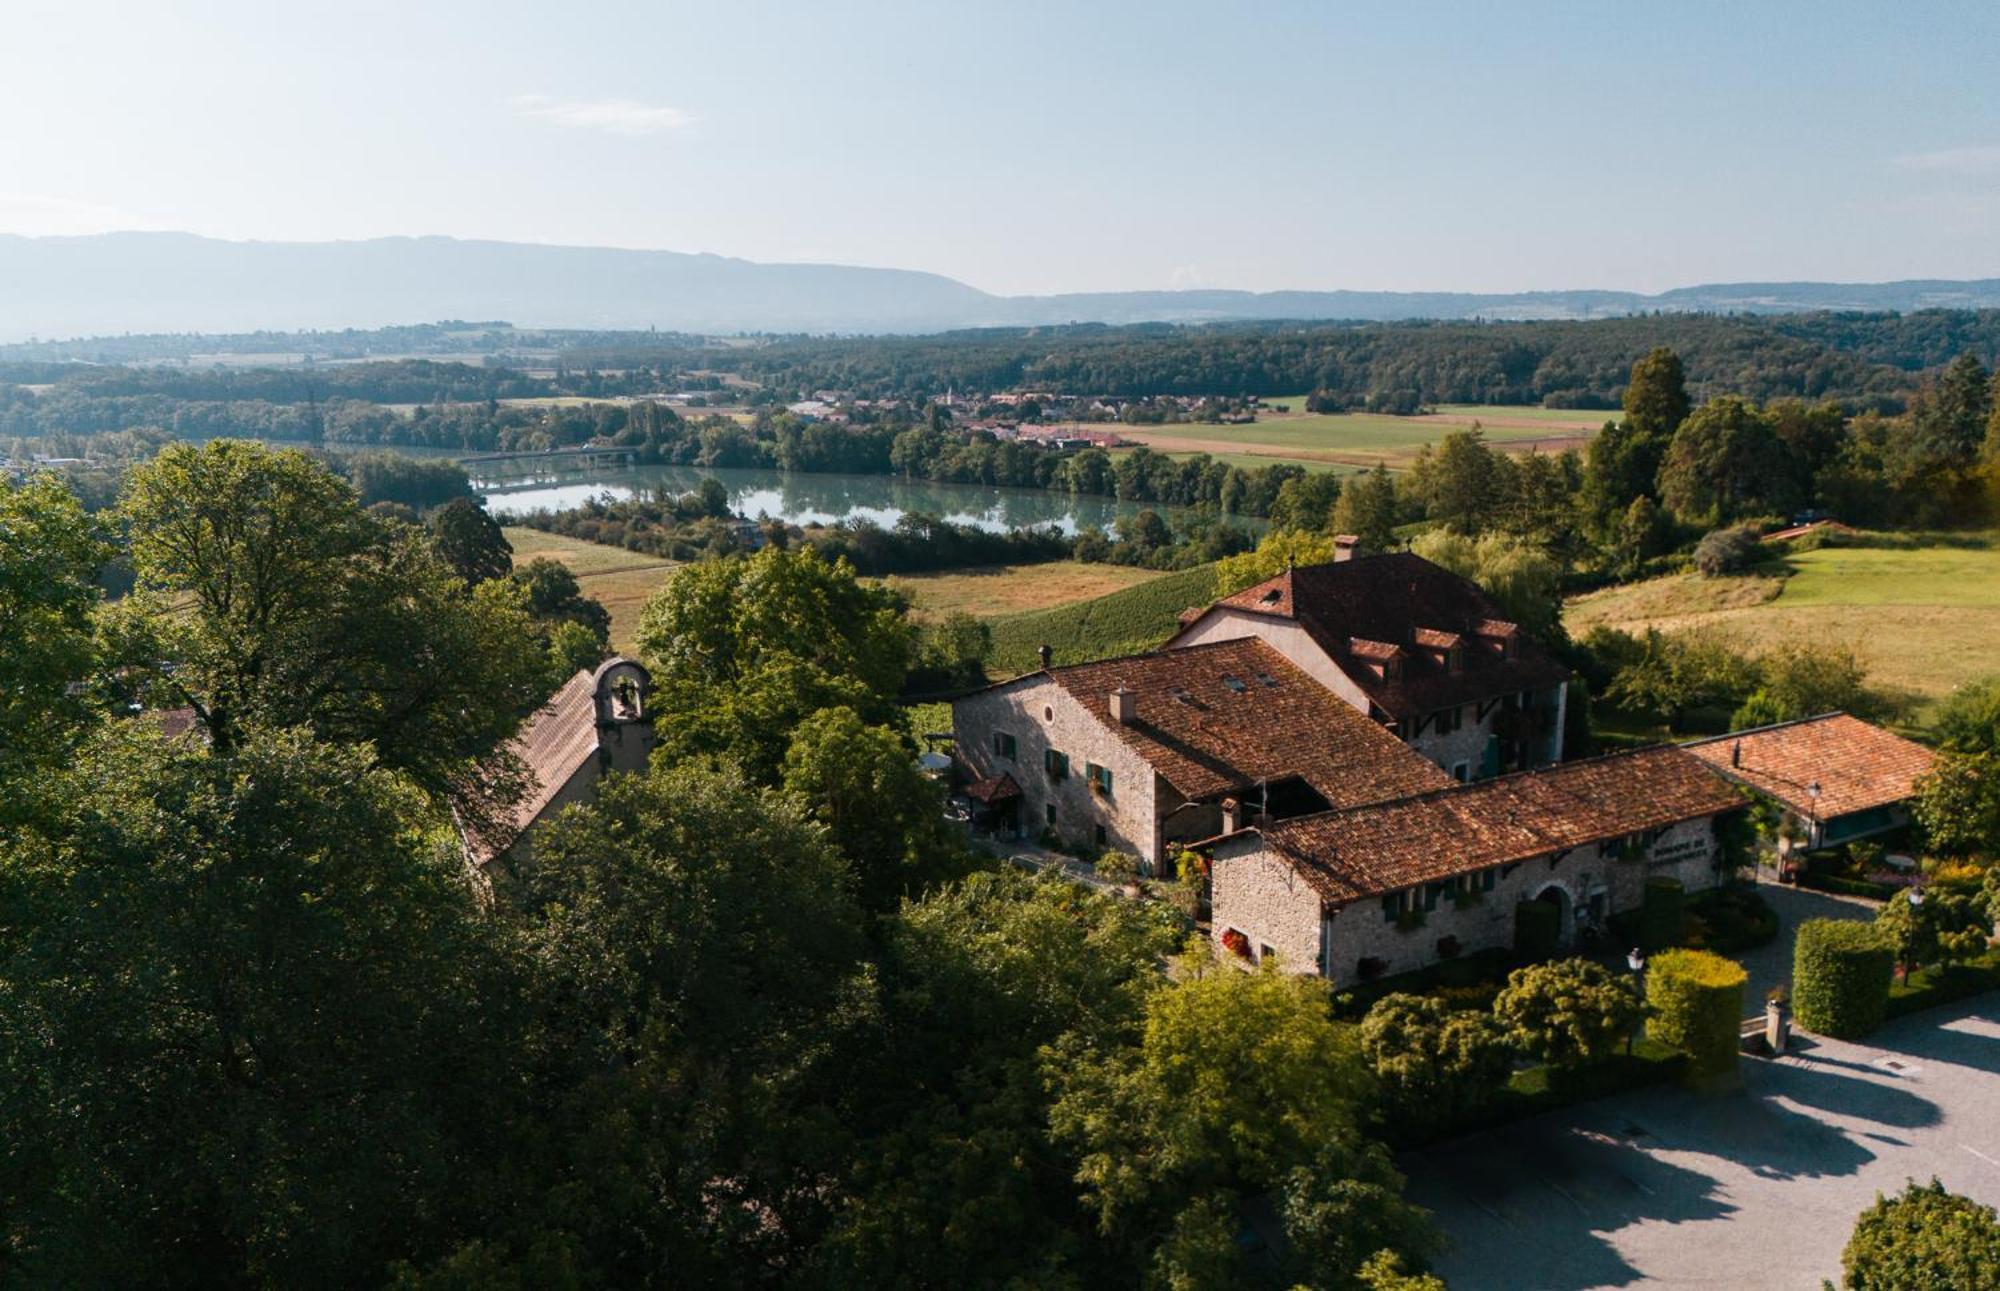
(993, 790)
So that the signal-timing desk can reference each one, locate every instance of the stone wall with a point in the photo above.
(1271, 905)
(1040, 715)
(1254, 892)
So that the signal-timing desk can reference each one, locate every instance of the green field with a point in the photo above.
(1361, 439)
(1588, 418)
(622, 580)
(1257, 461)
(1138, 618)
(1924, 619)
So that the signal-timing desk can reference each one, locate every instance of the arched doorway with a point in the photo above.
(1557, 895)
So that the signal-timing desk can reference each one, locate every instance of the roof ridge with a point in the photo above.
(1770, 726)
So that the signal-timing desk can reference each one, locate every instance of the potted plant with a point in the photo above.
(1120, 869)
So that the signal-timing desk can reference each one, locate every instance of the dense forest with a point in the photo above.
(1863, 360)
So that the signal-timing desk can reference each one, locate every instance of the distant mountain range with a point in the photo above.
(177, 282)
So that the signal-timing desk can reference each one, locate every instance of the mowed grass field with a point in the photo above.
(1923, 619)
(995, 590)
(622, 580)
(1359, 440)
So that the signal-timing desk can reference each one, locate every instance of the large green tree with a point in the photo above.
(1726, 461)
(267, 595)
(50, 552)
(744, 650)
(700, 979)
(248, 1021)
(467, 538)
(1236, 1086)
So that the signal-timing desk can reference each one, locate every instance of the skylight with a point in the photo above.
(1234, 683)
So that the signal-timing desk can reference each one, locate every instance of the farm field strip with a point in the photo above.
(1923, 620)
(995, 590)
(620, 580)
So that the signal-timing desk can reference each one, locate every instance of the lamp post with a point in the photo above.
(1636, 961)
(1812, 815)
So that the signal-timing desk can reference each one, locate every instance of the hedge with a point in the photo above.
(1537, 929)
(1941, 984)
(1840, 977)
(1470, 981)
(1846, 887)
(1534, 1090)
(1660, 915)
(1697, 1005)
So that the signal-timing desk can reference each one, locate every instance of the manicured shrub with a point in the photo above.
(1437, 1064)
(1537, 928)
(1568, 1013)
(1925, 1237)
(1661, 914)
(1696, 1000)
(1840, 977)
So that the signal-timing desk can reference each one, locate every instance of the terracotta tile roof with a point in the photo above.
(1392, 598)
(1366, 851)
(1361, 649)
(1436, 639)
(557, 740)
(1856, 765)
(1219, 717)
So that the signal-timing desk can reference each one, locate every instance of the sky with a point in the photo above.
(1029, 147)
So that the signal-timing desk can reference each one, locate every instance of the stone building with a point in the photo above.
(596, 724)
(1391, 887)
(1148, 751)
(1414, 647)
(1839, 778)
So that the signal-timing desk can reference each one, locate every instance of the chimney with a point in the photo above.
(1736, 754)
(1347, 546)
(1124, 706)
(1232, 816)
(1048, 657)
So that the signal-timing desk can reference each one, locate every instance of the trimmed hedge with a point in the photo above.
(1660, 915)
(1840, 977)
(1534, 1090)
(1470, 981)
(1941, 984)
(1697, 1004)
(1846, 887)
(1537, 929)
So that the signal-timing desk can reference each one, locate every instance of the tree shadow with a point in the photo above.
(1826, 1083)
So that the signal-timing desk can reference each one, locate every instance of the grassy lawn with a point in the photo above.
(1923, 619)
(1013, 589)
(1254, 461)
(1358, 439)
(622, 580)
(1580, 418)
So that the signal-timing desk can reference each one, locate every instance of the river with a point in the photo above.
(812, 498)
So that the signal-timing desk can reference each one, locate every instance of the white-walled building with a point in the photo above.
(1145, 752)
(1414, 647)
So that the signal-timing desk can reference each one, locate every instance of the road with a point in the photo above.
(1757, 1188)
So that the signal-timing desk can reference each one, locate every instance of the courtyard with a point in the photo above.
(1757, 1188)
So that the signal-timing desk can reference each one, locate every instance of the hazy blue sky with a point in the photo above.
(1031, 147)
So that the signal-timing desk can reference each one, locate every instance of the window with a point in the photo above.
(1049, 814)
(1102, 839)
(1048, 713)
(1236, 943)
(1003, 744)
(1234, 683)
(1056, 764)
(1395, 906)
(1485, 879)
(1100, 779)
(1265, 951)
(1432, 891)
(1267, 681)
(1461, 772)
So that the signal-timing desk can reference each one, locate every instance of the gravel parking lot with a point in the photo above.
(1757, 1188)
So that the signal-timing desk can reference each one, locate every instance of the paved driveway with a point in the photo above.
(1770, 964)
(1753, 1189)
